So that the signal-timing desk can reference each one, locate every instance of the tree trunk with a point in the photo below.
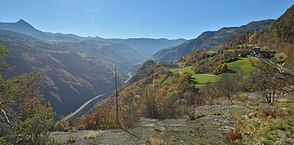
(229, 97)
(6, 117)
(273, 97)
(116, 95)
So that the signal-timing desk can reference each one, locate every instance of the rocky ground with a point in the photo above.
(258, 123)
(209, 127)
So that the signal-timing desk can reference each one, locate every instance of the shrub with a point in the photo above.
(222, 68)
(61, 125)
(103, 117)
(71, 140)
(233, 135)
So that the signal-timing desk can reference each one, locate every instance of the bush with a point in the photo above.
(71, 140)
(233, 135)
(61, 125)
(222, 68)
(104, 117)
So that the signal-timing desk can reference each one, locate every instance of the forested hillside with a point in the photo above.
(73, 69)
(208, 40)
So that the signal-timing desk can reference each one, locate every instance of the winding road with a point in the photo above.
(130, 76)
(81, 107)
(88, 102)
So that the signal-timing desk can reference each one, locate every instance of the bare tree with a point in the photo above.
(271, 79)
(191, 97)
(228, 86)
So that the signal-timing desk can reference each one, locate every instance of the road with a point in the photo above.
(81, 107)
(130, 76)
(88, 102)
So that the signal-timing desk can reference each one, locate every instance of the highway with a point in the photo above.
(88, 102)
(81, 107)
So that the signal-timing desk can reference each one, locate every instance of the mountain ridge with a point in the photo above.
(145, 46)
(207, 40)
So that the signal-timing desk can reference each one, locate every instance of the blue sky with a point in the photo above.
(139, 18)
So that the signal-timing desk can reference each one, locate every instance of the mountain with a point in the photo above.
(199, 80)
(71, 73)
(73, 69)
(145, 47)
(70, 40)
(207, 40)
(24, 27)
(279, 37)
(148, 46)
(280, 32)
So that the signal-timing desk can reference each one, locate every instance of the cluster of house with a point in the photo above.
(258, 52)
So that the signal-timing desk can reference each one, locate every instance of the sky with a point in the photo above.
(139, 18)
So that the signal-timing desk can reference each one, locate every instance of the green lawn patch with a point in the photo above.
(242, 66)
(188, 69)
(204, 79)
(200, 79)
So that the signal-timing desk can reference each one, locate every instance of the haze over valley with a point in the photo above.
(146, 72)
(74, 69)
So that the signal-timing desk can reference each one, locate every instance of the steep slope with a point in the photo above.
(71, 73)
(73, 69)
(283, 28)
(208, 39)
(103, 50)
(279, 37)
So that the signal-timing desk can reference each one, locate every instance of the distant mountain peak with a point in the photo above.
(22, 22)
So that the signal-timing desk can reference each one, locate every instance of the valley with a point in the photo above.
(71, 69)
(231, 84)
(207, 94)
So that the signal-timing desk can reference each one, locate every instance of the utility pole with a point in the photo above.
(116, 93)
(116, 102)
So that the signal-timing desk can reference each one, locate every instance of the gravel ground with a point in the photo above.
(209, 128)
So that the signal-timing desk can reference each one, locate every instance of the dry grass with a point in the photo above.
(155, 140)
(71, 140)
(233, 136)
(268, 111)
(264, 124)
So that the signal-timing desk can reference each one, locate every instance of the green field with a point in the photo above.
(200, 79)
(204, 79)
(242, 66)
(188, 69)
